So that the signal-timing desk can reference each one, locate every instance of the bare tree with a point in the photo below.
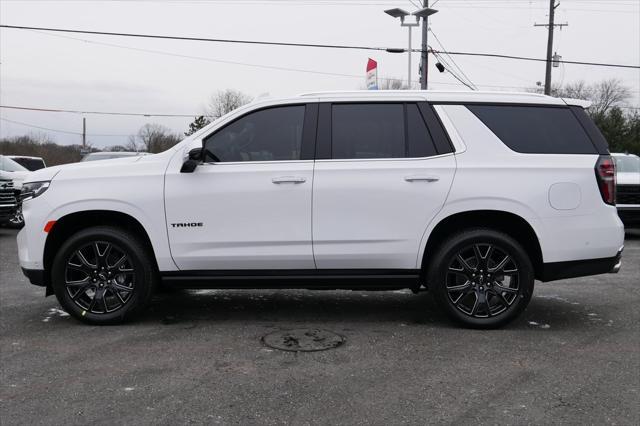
(224, 101)
(609, 93)
(153, 138)
(116, 148)
(132, 144)
(220, 103)
(40, 145)
(392, 84)
(603, 95)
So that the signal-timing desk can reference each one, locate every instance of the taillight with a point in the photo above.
(606, 177)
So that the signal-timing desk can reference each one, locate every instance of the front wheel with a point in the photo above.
(103, 275)
(482, 278)
(17, 220)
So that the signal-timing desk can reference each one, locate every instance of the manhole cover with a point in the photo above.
(303, 340)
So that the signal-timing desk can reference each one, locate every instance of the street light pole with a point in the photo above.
(422, 13)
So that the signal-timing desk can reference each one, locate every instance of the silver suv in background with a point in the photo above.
(628, 188)
(106, 155)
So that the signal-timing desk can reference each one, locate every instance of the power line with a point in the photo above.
(526, 58)
(208, 59)
(262, 66)
(56, 130)
(71, 111)
(202, 39)
(311, 45)
(371, 2)
(452, 60)
(505, 4)
(449, 69)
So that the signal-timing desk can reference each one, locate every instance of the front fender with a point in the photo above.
(155, 226)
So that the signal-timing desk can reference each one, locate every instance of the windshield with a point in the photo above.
(8, 165)
(30, 163)
(628, 164)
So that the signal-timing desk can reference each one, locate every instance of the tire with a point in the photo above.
(487, 299)
(103, 275)
(17, 220)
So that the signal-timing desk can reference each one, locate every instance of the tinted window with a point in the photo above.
(592, 130)
(438, 134)
(30, 163)
(420, 143)
(367, 131)
(8, 165)
(536, 129)
(266, 135)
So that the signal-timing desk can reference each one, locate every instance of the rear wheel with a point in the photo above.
(482, 278)
(103, 275)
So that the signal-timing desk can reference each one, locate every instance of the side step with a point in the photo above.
(352, 279)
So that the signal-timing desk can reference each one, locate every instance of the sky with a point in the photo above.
(118, 74)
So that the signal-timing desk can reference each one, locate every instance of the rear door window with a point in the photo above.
(367, 131)
(379, 130)
(536, 129)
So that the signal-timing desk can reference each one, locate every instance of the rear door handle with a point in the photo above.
(288, 179)
(421, 178)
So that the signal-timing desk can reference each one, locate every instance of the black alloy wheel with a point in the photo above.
(100, 277)
(103, 275)
(482, 278)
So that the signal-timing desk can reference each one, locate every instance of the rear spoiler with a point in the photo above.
(577, 102)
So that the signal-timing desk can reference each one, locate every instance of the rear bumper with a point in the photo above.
(580, 268)
(35, 276)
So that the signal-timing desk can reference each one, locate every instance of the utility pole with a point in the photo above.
(551, 26)
(424, 62)
(409, 52)
(84, 134)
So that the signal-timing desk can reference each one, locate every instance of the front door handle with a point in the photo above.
(421, 178)
(288, 179)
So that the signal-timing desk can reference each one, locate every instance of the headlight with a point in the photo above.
(32, 190)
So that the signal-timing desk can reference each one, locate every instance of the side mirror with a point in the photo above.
(194, 158)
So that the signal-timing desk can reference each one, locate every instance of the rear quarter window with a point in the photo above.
(536, 129)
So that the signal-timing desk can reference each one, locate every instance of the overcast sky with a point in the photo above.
(85, 72)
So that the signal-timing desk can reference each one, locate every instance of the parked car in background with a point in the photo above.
(16, 174)
(628, 188)
(29, 163)
(9, 169)
(8, 202)
(104, 155)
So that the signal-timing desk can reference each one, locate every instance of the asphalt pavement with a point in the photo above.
(198, 357)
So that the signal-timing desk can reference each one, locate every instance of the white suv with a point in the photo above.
(469, 195)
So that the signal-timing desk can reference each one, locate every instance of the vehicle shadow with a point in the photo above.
(293, 308)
